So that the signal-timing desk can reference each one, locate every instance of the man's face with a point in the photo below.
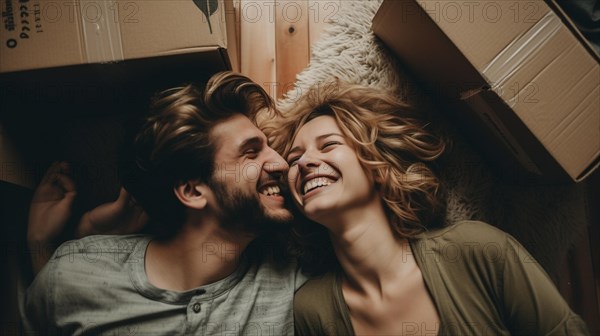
(247, 178)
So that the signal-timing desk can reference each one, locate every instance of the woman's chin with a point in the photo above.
(319, 214)
(317, 210)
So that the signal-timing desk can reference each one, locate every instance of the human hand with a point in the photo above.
(51, 205)
(49, 212)
(122, 216)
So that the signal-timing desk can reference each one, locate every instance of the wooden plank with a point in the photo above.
(257, 25)
(320, 14)
(232, 21)
(292, 42)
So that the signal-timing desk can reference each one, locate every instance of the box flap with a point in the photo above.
(481, 29)
(413, 35)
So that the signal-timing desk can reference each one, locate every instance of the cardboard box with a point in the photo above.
(45, 34)
(518, 70)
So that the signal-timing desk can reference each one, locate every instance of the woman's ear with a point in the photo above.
(375, 175)
(192, 194)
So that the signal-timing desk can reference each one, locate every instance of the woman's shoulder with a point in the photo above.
(315, 311)
(473, 239)
(466, 231)
(316, 292)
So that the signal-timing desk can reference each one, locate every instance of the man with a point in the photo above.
(210, 184)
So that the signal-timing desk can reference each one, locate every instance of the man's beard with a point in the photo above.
(245, 212)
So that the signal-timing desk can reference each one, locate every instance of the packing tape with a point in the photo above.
(512, 57)
(101, 31)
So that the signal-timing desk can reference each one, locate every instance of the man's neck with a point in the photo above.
(198, 255)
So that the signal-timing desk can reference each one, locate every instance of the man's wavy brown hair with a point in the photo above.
(174, 144)
(392, 143)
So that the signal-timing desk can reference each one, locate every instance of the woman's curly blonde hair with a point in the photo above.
(391, 142)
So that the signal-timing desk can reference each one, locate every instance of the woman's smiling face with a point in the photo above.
(326, 176)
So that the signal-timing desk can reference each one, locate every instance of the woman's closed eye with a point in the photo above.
(292, 160)
(330, 144)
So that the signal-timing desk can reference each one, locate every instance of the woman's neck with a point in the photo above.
(370, 253)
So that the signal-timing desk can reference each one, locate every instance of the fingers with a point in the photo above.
(58, 174)
(66, 184)
(123, 199)
(56, 184)
(126, 200)
(51, 172)
(57, 167)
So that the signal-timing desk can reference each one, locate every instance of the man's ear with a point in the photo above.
(192, 194)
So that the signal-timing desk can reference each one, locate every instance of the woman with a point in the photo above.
(356, 159)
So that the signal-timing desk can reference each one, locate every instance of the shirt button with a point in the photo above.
(196, 307)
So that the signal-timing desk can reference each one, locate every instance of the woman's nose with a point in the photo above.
(307, 161)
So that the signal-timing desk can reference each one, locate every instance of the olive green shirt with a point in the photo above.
(481, 280)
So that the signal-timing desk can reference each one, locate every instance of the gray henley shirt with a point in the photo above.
(98, 285)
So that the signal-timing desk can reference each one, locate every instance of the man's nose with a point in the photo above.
(275, 163)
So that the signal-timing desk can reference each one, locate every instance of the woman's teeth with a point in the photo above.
(315, 183)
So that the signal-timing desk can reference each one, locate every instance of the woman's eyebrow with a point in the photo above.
(295, 149)
(318, 138)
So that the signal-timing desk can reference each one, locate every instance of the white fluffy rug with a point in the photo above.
(548, 220)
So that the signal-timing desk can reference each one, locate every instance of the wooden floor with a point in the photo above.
(275, 38)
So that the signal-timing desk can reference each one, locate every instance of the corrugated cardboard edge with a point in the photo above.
(190, 50)
(461, 74)
(592, 168)
(573, 28)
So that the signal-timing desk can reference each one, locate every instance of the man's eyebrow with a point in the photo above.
(250, 142)
(320, 137)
